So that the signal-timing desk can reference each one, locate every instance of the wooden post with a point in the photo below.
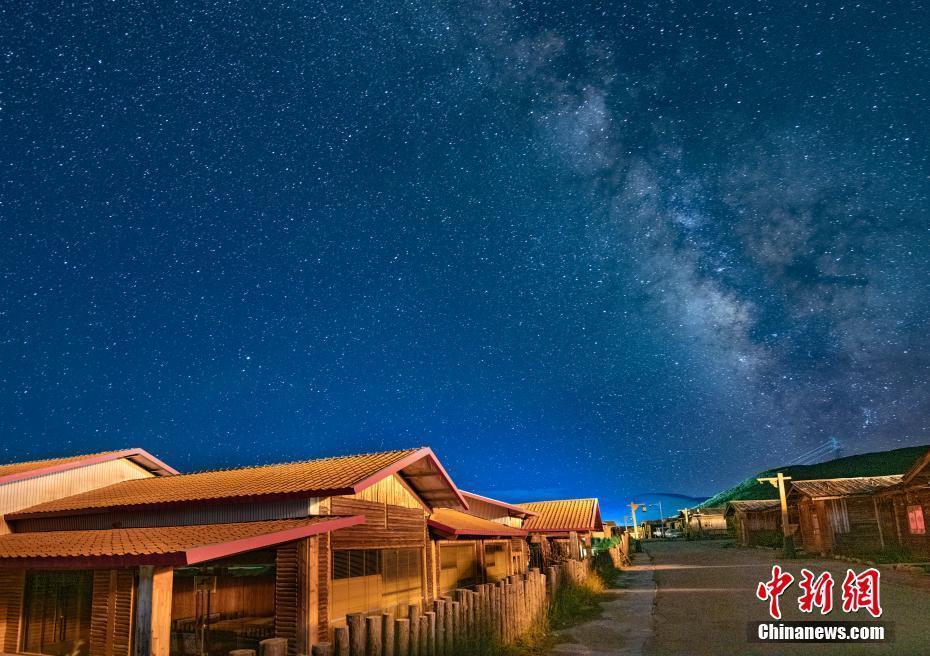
(373, 645)
(387, 634)
(431, 633)
(341, 641)
(449, 627)
(413, 614)
(356, 622)
(273, 647)
(322, 649)
(402, 633)
(439, 639)
(242, 652)
(422, 637)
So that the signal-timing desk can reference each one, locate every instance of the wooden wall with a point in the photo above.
(385, 526)
(12, 584)
(112, 612)
(917, 545)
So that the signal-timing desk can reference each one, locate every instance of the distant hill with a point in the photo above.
(882, 463)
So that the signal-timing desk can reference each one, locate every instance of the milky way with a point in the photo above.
(578, 248)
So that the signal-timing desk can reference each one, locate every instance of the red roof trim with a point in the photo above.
(505, 531)
(214, 551)
(84, 462)
(582, 529)
(406, 461)
(502, 504)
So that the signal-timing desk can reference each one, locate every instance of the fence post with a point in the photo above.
(439, 634)
(430, 617)
(373, 641)
(341, 641)
(322, 649)
(403, 636)
(413, 613)
(273, 647)
(356, 622)
(448, 629)
(422, 637)
(387, 634)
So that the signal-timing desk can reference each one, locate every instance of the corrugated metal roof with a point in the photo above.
(839, 487)
(452, 523)
(514, 510)
(184, 544)
(324, 477)
(563, 515)
(20, 470)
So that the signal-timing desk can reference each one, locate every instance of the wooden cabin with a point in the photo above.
(469, 550)
(840, 515)
(755, 522)
(201, 564)
(904, 509)
(562, 530)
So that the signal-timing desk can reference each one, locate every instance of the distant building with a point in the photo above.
(755, 522)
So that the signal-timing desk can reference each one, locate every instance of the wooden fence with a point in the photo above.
(454, 624)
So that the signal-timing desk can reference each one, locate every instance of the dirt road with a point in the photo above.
(705, 597)
(697, 598)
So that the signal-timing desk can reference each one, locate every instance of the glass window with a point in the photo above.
(224, 605)
(367, 580)
(495, 562)
(57, 612)
(915, 520)
(458, 566)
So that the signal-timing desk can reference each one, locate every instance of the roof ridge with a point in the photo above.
(294, 462)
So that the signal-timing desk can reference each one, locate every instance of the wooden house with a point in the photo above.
(840, 515)
(484, 544)
(204, 563)
(755, 522)
(904, 509)
(562, 530)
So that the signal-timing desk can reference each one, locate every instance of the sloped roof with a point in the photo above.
(753, 505)
(840, 487)
(450, 523)
(17, 471)
(513, 510)
(320, 478)
(563, 516)
(918, 469)
(174, 545)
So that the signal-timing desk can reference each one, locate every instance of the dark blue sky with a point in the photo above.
(579, 248)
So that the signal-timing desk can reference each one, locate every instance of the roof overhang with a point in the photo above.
(425, 475)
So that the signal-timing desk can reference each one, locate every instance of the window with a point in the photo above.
(458, 566)
(57, 612)
(374, 579)
(495, 562)
(915, 520)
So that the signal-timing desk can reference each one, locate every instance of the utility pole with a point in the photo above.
(778, 481)
(633, 507)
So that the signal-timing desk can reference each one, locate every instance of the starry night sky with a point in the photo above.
(579, 248)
